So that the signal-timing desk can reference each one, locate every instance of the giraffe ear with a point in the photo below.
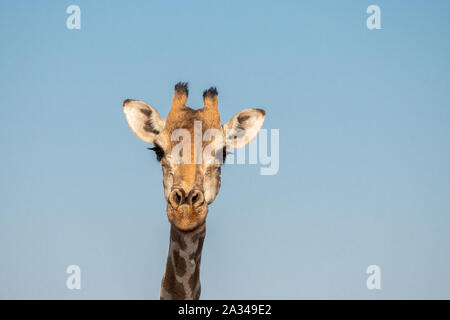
(244, 127)
(143, 119)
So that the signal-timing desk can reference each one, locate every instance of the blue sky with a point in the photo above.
(363, 117)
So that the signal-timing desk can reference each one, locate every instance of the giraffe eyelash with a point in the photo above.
(158, 151)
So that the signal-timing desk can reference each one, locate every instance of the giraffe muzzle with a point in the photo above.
(186, 210)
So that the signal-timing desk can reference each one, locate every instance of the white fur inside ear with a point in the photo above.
(143, 120)
(244, 127)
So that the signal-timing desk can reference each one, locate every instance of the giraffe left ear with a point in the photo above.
(143, 119)
(244, 127)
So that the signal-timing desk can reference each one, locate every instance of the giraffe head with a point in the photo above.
(191, 146)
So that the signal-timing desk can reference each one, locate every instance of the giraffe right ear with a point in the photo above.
(244, 127)
(143, 119)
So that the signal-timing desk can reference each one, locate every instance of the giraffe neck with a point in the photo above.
(181, 278)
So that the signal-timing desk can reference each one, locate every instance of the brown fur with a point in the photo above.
(189, 176)
(179, 264)
(190, 186)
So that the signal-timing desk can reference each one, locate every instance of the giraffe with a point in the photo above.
(191, 146)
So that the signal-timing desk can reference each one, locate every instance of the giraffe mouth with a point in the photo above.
(194, 230)
(187, 218)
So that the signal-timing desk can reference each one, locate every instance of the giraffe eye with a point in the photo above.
(221, 155)
(158, 151)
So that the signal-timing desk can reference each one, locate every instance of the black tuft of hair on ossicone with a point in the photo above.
(210, 93)
(182, 88)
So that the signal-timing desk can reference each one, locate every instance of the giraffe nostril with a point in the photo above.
(196, 198)
(176, 197)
